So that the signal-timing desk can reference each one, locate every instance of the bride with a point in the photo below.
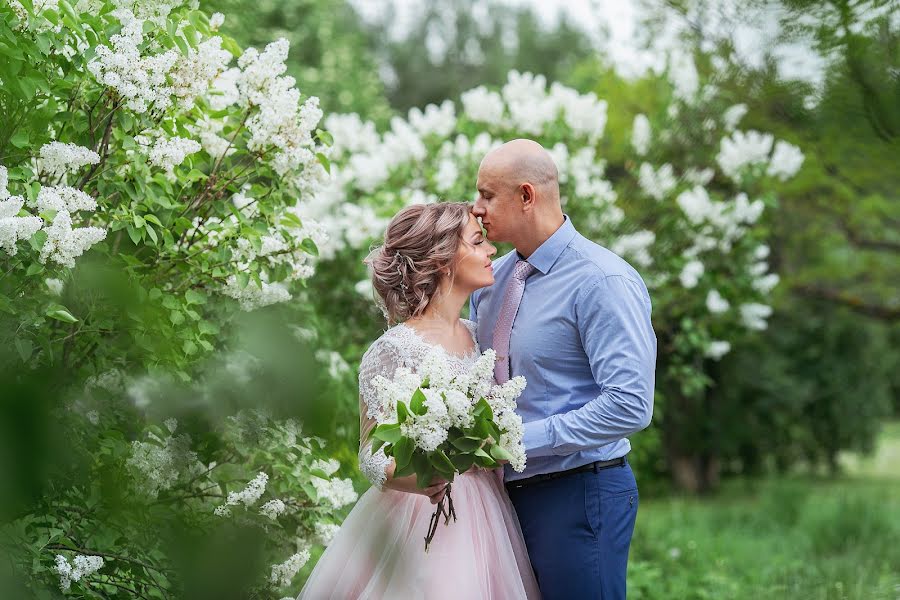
(434, 256)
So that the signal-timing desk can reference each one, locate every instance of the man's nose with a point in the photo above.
(478, 209)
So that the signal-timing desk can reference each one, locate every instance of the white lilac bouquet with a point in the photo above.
(436, 424)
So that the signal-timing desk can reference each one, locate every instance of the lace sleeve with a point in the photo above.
(382, 358)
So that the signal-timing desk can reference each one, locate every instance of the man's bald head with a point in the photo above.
(523, 161)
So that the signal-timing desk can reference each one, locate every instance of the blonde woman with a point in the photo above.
(433, 257)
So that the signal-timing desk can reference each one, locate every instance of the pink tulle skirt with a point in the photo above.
(379, 551)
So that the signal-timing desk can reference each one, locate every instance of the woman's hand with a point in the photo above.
(435, 492)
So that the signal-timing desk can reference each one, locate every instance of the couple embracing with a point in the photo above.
(573, 319)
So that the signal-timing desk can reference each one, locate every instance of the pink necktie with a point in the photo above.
(502, 330)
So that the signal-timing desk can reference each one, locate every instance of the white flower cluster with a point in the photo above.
(64, 244)
(168, 153)
(82, 566)
(328, 466)
(641, 134)
(142, 81)
(657, 183)
(337, 492)
(449, 401)
(502, 399)
(724, 221)
(325, 532)
(284, 573)
(56, 159)
(337, 366)
(14, 228)
(250, 494)
(745, 150)
(159, 464)
(64, 198)
(195, 72)
(635, 246)
(482, 105)
(272, 509)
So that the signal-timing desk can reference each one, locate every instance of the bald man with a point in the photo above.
(573, 319)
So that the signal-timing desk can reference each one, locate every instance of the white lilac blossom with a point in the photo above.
(754, 315)
(715, 303)
(56, 159)
(351, 134)
(329, 466)
(743, 149)
(657, 183)
(82, 566)
(93, 417)
(635, 246)
(717, 349)
(482, 106)
(526, 99)
(641, 134)
(14, 228)
(434, 120)
(284, 573)
(786, 161)
(171, 424)
(325, 532)
(766, 283)
(698, 176)
(337, 366)
(585, 114)
(4, 183)
(683, 75)
(335, 491)
(157, 465)
(168, 153)
(254, 296)
(216, 20)
(54, 286)
(195, 72)
(691, 273)
(64, 244)
(142, 81)
(64, 198)
(250, 494)
(733, 115)
(272, 509)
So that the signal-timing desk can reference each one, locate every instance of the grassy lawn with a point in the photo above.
(797, 538)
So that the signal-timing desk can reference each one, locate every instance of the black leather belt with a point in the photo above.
(592, 467)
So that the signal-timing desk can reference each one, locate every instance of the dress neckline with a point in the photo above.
(473, 353)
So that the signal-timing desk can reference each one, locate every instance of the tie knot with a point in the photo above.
(523, 270)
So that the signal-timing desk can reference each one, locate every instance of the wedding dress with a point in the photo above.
(379, 551)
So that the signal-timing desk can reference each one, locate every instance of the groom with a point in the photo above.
(573, 319)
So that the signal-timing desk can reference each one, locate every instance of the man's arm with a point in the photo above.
(614, 324)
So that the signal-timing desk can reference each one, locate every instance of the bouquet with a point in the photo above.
(436, 424)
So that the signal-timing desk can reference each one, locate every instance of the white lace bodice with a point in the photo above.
(399, 346)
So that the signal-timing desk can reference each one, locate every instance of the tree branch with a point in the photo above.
(851, 301)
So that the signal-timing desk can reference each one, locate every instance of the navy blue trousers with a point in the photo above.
(578, 530)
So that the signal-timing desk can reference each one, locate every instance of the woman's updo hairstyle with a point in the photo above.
(419, 247)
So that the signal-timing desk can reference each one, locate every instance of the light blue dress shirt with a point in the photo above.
(583, 340)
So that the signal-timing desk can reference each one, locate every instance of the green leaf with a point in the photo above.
(417, 404)
(389, 433)
(466, 444)
(24, 348)
(482, 408)
(60, 313)
(323, 160)
(424, 470)
(376, 445)
(138, 221)
(324, 137)
(176, 317)
(151, 233)
(195, 297)
(402, 412)
(309, 246)
(442, 463)
(134, 234)
(243, 280)
(34, 269)
(498, 452)
(189, 347)
(153, 219)
(484, 459)
(403, 451)
(462, 462)
(405, 471)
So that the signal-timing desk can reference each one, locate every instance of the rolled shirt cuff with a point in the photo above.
(536, 439)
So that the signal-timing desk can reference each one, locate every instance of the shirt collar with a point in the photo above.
(545, 256)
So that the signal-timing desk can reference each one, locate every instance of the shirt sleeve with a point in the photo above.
(473, 306)
(613, 318)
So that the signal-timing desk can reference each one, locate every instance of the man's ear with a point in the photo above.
(527, 193)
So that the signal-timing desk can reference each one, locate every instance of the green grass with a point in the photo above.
(797, 538)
